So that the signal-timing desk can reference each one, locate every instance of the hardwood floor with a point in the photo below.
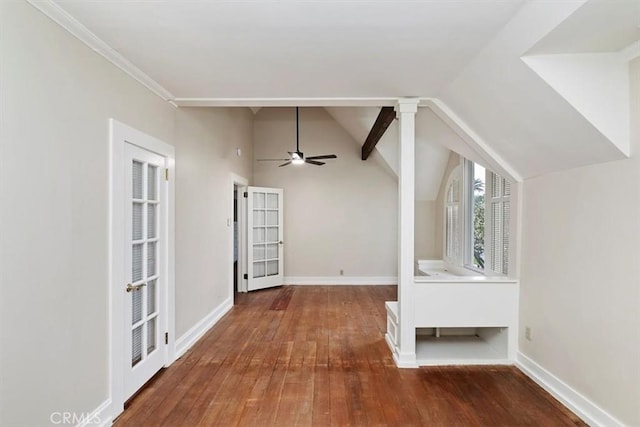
(316, 355)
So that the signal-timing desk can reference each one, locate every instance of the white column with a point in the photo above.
(406, 110)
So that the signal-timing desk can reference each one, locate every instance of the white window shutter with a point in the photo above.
(499, 211)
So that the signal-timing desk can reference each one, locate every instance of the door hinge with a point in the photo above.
(246, 194)
(166, 337)
(166, 174)
(246, 276)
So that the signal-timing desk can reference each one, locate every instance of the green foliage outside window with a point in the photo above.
(478, 223)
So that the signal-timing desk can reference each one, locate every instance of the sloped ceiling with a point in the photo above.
(596, 27)
(503, 68)
(524, 118)
(591, 49)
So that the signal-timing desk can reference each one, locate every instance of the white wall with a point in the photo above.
(454, 160)
(426, 245)
(206, 142)
(580, 271)
(57, 97)
(342, 215)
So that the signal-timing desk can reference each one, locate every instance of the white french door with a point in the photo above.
(145, 197)
(264, 238)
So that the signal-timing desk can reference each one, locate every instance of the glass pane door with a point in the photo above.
(144, 268)
(265, 237)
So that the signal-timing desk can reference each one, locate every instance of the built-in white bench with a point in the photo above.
(460, 319)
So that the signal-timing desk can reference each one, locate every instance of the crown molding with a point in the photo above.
(82, 33)
(285, 102)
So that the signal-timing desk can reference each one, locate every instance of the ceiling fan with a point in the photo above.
(297, 157)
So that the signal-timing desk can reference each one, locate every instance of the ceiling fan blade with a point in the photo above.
(285, 164)
(271, 160)
(313, 162)
(326, 156)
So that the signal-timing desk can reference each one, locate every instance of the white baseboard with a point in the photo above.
(341, 280)
(405, 360)
(99, 417)
(590, 413)
(390, 343)
(187, 340)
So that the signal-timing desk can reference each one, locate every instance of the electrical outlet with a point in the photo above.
(527, 333)
(342, 272)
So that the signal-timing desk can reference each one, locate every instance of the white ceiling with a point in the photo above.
(598, 26)
(531, 125)
(293, 48)
(473, 58)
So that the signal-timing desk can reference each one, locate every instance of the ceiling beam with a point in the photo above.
(385, 118)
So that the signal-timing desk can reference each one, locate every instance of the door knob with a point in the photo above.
(280, 242)
(131, 288)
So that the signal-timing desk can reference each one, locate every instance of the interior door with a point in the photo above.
(264, 238)
(145, 258)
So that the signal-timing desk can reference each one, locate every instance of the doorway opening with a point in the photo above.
(236, 245)
(237, 249)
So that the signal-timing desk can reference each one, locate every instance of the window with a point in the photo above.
(477, 219)
(452, 219)
(475, 189)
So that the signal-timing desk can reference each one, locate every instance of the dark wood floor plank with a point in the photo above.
(321, 410)
(251, 411)
(297, 391)
(316, 356)
(244, 374)
(281, 302)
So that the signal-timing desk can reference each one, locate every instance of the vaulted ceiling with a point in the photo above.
(532, 86)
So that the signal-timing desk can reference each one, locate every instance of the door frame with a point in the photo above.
(119, 135)
(240, 182)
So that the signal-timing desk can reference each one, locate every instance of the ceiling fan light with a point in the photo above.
(297, 161)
